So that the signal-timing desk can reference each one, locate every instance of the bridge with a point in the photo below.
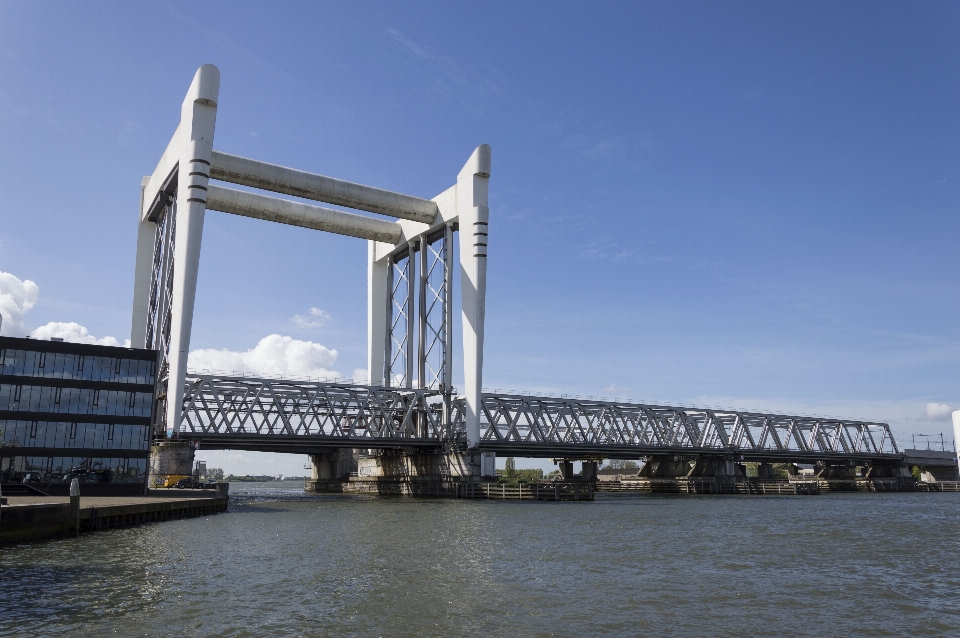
(238, 412)
(410, 404)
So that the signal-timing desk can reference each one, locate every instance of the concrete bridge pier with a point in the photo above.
(699, 474)
(335, 465)
(841, 472)
(765, 472)
(170, 461)
(396, 471)
(587, 473)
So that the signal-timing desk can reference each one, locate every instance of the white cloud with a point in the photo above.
(273, 356)
(16, 298)
(315, 318)
(360, 375)
(74, 333)
(938, 412)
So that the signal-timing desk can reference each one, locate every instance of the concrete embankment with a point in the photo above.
(25, 518)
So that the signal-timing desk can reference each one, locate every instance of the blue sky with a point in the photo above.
(751, 205)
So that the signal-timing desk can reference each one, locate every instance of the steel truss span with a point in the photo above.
(515, 423)
(233, 412)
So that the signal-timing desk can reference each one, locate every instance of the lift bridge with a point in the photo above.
(409, 403)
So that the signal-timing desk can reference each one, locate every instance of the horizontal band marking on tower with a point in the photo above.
(201, 161)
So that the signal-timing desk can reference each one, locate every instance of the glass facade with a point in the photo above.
(74, 411)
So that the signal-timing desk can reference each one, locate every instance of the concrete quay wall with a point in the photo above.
(33, 518)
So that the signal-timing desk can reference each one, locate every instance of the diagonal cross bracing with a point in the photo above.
(253, 413)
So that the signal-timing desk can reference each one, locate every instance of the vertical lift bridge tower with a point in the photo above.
(410, 267)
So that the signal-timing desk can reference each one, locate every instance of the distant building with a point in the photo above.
(75, 410)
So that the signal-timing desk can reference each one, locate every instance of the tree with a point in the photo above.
(617, 464)
(510, 467)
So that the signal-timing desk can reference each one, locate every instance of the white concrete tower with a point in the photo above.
(198, 117)
(378, 308)
(474, 214)
(146, 238)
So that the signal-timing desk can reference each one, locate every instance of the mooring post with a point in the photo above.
(75, 506)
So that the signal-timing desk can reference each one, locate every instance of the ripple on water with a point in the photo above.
(282, 562)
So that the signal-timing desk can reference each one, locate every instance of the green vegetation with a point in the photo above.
(782, 470)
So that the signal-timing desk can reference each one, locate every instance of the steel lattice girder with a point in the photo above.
(264, 412)
(512, 420)
(239, 408)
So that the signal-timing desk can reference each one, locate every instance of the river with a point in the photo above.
(284, 563)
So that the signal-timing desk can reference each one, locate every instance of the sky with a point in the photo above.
(742, 204)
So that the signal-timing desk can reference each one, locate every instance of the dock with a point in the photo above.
(25, 518)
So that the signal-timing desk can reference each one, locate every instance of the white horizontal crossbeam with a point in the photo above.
(290, 181)
(229, 200)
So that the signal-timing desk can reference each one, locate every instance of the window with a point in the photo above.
(33, 430)
(73, 431)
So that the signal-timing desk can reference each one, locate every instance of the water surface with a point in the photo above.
(281, 562)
